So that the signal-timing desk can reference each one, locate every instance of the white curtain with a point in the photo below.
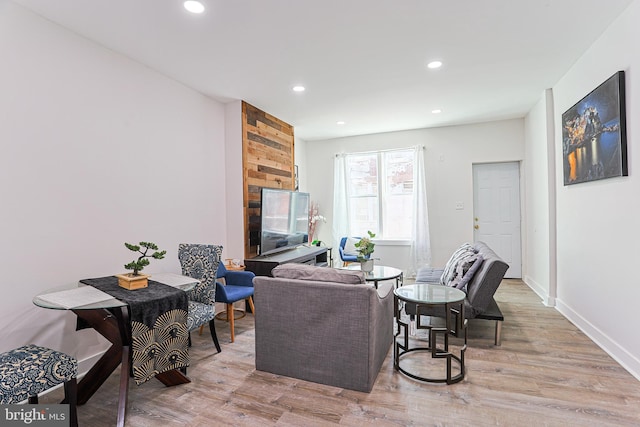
(420, 244)
(340, 206)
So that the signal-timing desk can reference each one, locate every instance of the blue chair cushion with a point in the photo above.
(349, 258)
(347, 254)
(229, 294)
(199, 314)
(31, 369)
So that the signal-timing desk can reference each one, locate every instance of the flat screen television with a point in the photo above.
(284, 220)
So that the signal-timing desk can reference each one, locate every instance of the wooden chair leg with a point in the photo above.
(230, 317)
(201, 329)
(498, 338)
(253, 309)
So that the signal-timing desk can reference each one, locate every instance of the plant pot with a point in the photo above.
(366, 266)
(131, 282)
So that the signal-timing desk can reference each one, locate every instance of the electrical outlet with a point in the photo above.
(459, 206)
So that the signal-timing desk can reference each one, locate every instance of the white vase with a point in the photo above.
(366, 266)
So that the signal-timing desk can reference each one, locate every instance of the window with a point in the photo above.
(380, 193)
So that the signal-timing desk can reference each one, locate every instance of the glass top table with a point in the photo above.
(379, 273)
(425, 296)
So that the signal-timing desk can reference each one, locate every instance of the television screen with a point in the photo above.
(284, 220)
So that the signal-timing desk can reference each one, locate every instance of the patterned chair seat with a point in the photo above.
(29, 370)
(199, 314)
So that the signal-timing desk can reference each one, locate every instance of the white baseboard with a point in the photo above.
(618, 353)
(540, 291)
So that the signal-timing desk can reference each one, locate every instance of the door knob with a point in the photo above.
(476, 226)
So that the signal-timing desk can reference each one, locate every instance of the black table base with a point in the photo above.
(455, 325)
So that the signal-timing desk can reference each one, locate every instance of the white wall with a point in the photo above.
(96, 150)
(598, 231)
(539, 206)
(449, 155)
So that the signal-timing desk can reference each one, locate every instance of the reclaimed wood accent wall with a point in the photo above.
(268, 161)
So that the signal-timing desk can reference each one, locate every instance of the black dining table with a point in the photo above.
(146, 328)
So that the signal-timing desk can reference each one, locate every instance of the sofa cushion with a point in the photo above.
(429, 275)
(319, 274)
(449, 273)
(471, 264)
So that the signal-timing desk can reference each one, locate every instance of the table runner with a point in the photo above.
(158, 315)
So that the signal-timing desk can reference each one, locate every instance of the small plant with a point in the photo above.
(365, 247)
(143, 260)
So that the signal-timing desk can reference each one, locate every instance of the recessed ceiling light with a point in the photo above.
(434, 64)
(436, 111)
(298, 88)
(340, 122)
(194, 6)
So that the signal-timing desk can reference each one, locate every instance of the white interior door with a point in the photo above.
(496, 208)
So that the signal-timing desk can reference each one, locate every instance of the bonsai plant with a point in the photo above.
(135, 280)
(365, 248)
(143, 260)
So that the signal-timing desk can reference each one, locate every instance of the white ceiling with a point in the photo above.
(362, 61)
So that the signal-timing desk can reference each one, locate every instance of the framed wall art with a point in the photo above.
(594, 134)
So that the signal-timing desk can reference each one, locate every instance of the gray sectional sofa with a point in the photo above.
(322, 325)
(480, 288)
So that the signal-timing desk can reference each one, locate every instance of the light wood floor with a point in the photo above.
(546, 373)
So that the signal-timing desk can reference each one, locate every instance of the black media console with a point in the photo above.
(312, 255)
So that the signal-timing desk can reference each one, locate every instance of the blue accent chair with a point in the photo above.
(237, 286)
(346, 258)
(31, 369)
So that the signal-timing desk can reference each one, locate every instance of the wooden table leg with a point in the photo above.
(115, 328)
(171, 378)
(124, 385)
(106, 324)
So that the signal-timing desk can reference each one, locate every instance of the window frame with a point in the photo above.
(382, 194)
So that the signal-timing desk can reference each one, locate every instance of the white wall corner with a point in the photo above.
(551, 188)
(547, 300)
(234, 193)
